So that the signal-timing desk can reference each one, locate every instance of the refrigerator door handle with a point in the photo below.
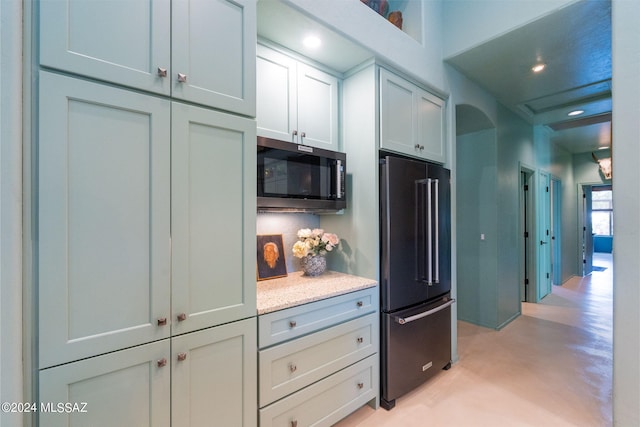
(429, 234)
(404, 320)
(423, 231)
(436, 278)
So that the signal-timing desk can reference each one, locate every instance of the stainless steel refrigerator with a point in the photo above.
(415, 205)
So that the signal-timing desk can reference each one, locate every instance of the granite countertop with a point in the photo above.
(297, 289)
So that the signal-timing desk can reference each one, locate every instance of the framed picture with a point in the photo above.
(271, 260)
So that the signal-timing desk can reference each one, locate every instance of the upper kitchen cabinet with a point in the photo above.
(214, 53)
(213, 204)
(208, 58)
(127, 43)
(412, 120)
(296, 102)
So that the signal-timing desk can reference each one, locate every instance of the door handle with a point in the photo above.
(404, 320)
(542, 242)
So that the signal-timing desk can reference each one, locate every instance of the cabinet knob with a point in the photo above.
(162, 72)
(182, 317)
(182, 78)
(292, 367)
(359, 304)
(294, 423)
(162, 321)
(303, 135)
(161, 362)
(292, 323)
(360, 385)
(295, 132)
(182, 356)
(418, 147)
(360, 340)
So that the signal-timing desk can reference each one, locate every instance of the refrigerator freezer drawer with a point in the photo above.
(417, 345)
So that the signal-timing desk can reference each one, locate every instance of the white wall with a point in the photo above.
(422, 61)
(10, 208)
(626, 204)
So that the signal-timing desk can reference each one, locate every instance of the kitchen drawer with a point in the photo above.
(328, 401)
(289, 367)
(283, 325)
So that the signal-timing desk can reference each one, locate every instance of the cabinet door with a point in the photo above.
(126, 388)
(317, 108)
(398, 124)
(431, 126)
(411, 119)
(276, 95)
(214, 377)
(103, 219)
(213, 213)
(120, 42)
(214, 53)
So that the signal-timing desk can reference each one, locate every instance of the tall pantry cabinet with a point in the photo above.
(145, 218)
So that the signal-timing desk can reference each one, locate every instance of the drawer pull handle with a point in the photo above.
(292, 323)
(360, 340)
(182, 356)
(359, 304)
(182, 317)
(292, 367)
(360, 385)
(162, 321)
(294, 423)
(161, 362)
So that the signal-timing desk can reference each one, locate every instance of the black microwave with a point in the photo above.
(296, 177)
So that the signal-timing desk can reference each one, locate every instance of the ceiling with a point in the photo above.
(575, 45)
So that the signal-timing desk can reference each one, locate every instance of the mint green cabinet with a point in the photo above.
(127, 388)
(296, 102)
(200, 379)
(103, 196)
(146, 225)
(214, 377)
(412, 120)
(318, 362)
(120, 42)
(213, 223)
(213, 53)
(200, 51)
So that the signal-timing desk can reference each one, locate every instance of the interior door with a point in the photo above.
(544, 236)
(587, 233)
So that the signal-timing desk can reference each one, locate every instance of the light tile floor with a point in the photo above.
(552, 366)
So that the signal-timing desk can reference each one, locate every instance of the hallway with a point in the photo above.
(552, 366)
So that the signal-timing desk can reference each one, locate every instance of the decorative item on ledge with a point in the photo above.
(311, 248)
(395, 18)
(382, 8)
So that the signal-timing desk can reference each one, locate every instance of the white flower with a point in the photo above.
(304, 233)
(300, 249)
(314, 242)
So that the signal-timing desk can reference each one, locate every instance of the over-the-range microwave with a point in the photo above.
(300, 178)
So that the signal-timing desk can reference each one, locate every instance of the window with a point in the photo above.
(602, 211)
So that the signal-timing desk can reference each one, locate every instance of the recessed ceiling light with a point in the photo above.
(576, 112)
(312, 42)
(538, 67)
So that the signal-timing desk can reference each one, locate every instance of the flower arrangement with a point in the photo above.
(314, 242)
